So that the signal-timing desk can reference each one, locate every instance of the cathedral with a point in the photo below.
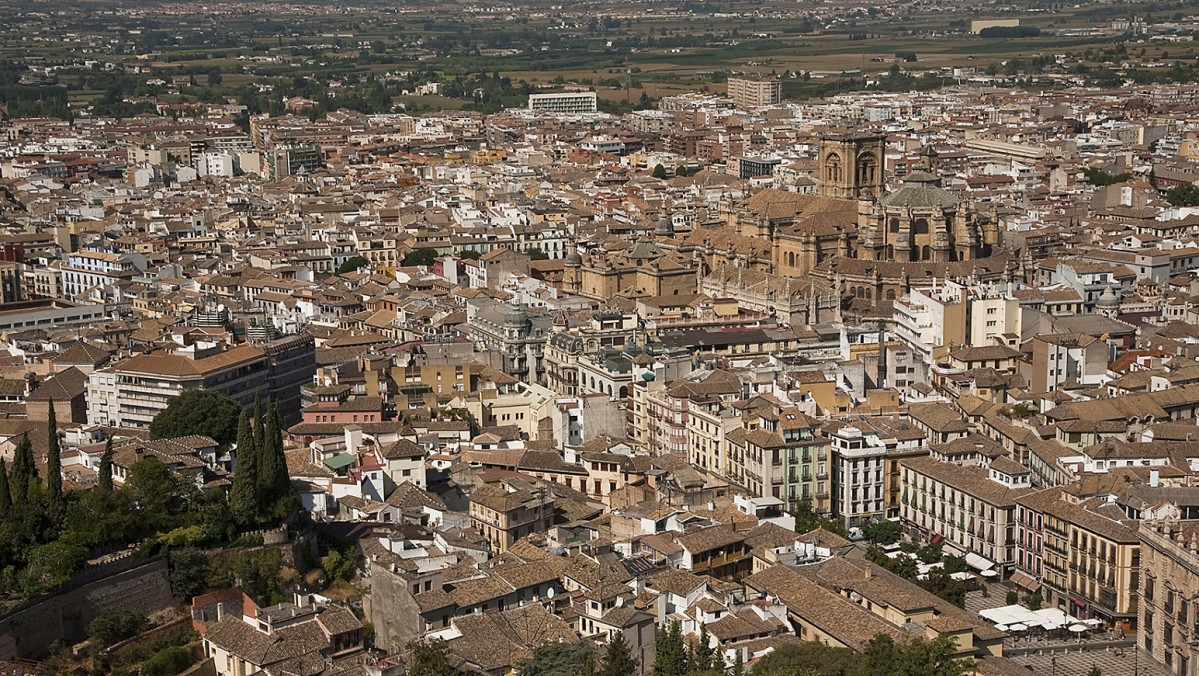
(919, 222)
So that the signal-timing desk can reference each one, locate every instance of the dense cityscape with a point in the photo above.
(709, 339)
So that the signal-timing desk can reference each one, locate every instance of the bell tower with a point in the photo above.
(852, 165)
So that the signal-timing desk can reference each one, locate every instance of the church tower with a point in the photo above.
(852, 165)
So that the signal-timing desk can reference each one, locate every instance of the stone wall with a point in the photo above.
(29, 631)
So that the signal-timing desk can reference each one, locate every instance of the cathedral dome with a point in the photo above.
(921, 191)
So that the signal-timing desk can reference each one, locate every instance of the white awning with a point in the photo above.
(977, 562)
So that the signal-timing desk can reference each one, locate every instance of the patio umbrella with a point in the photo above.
(1001, 627)
(1078, 628)
(1018, 627)
(1050, 625)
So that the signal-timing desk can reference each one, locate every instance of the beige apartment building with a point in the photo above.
(968, 508)
(749, 92)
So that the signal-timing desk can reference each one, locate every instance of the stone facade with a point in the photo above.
(1169, 578)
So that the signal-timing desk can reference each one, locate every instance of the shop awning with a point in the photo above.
(1025, 582)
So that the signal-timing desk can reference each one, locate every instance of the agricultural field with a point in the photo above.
(115, 57)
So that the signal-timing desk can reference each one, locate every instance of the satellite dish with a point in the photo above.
(549, 593)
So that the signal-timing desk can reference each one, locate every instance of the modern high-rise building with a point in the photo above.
(564, 102)
(755, 92)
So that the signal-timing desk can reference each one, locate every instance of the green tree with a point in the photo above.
(809, 658)
(352, 264)
(154, 491)
(243, 496)
(168, 661)
(920, 658)
(188, 567)
(471, 255)
(104, 482)
(941, 582)
(1100, 178)
(671, 656)
(114, 626)
(659, 171)
(5, 494)
(425, 257)
(1095, 671)
(24, 470)
(806, 519)
(903, 566)
(258, 424)
(430, 658)
(536, 254)
(274, 485)
(704, 656)
(214, 77)
(52, 564)
(53, 457)
(560, 659)
(1185, 195)
(202, 412)
(619, 660)
(882, 531)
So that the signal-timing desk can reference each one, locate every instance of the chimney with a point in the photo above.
(1154, 477)
(869, 572)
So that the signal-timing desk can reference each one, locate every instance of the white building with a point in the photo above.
(94, 275)
(571, 103)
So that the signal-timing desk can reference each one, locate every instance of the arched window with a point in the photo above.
(925, 253)
(867, 169)
(894, 225)
(832, 168)
(890, 294)
(920, 226)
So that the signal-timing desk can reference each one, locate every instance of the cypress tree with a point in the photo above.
(243, 498)
(5, 495)
(671, 656)
(105, 471)
(259, 416)
(619, 660)
(53, 457)
(273, 481)
(704, 657)
(24, 470)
